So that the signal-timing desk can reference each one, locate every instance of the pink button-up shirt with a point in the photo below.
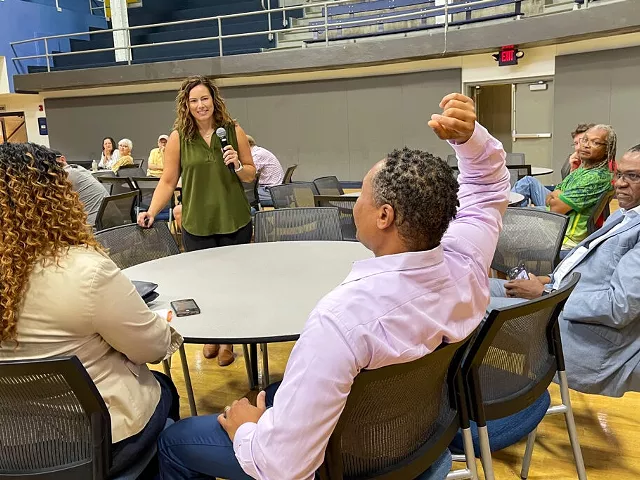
(390, 309)
(268, 166)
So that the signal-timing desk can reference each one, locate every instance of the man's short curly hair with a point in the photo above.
(423, 192)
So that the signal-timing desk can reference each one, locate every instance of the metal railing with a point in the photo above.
(325, 26)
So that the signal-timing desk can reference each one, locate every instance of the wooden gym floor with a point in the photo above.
(606, 426)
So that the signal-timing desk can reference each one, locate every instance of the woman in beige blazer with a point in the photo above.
(61, 295)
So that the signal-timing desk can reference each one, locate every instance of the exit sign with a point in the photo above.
(508, 55)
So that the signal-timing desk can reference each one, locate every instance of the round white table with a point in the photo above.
(536, 171)
(249, 294)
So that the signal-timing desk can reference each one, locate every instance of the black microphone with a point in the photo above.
(222, 135)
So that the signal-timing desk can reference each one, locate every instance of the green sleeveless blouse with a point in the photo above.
(213, 199)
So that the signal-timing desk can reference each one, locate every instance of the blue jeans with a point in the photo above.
(265, 197)
(498, 295)
(532, 190)
(199, 448)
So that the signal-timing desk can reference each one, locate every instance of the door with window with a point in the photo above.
(520, 115)
(13, 128)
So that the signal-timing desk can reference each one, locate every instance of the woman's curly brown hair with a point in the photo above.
(185, 123)
(40, 218)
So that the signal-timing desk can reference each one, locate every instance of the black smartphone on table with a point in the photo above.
(186, 307)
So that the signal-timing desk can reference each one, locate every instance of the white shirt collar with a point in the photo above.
(631, 212)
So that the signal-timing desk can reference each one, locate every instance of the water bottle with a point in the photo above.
(94, 166)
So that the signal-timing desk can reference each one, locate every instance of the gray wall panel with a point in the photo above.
(598, 87)
(337, 127)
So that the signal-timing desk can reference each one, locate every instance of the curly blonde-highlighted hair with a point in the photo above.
(185, 123)
(41, 217)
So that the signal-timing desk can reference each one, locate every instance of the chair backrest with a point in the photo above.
(130, 245)
(146, 186)
(600, 210)
(130, 171)
(516, 172)
(345, 210)
(455, 171)
(328, 185)
(530, 236)
(299, 194)
(398, 419)
(139, 162)
(515, 159)
(452, 160)
(289, 173)
(297, 224)
(54, 424)
(515, 356)
(117, 185)
(117, 210)
(251, 191)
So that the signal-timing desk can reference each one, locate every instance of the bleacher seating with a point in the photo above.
(377, 13)
(160, 11)
(153, 44)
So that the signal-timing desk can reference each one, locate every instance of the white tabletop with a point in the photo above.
(515, 198)
(352, 194)
(254, 293)
(535, 171)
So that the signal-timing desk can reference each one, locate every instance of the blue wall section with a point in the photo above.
(21, 19)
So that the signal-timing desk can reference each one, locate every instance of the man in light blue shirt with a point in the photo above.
(600, 324)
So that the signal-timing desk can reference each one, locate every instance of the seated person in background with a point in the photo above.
(573, 161)
(156, 158)
(426, 285)
(269, 168)
(578, 194)
(110, 153)
(61, 295)
(90, 190)
(125, 146)
(600, 324)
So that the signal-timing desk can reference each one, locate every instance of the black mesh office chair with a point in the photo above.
(289, 173)
(130, 245)
(251, 192)
(293, 195)
(514, 358)
(117, 210)
(146, 186)
(399, 419)
(600, 210)
(116, 185)
(297, 224)
(328, 185)
(140, 163)
(516, 172)
(530, 236)
(130, 171)
(515, 159)
(345, 210)
(54, 424)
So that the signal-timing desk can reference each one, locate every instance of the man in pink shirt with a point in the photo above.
(427, 285)
(269, 168)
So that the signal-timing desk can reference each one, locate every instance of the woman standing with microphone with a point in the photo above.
(215, 210)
